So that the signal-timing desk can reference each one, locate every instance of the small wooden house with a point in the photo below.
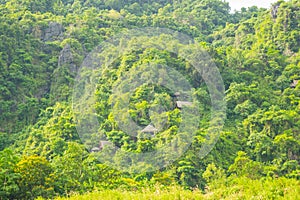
(177, 94)
(294, 84)
(103, 143)
(150, 129)
(181, 104)
(95, 149)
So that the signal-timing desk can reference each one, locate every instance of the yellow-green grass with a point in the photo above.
(237, 189)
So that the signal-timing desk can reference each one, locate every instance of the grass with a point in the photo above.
(236, 189)
(171, 193)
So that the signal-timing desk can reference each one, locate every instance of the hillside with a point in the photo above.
(127, 96)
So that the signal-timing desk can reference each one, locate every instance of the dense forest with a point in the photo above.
(253, 143)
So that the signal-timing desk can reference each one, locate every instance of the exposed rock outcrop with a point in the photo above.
(66, 58)
(53, 32)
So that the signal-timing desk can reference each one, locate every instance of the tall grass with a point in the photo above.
(171, 193)
(234, 189)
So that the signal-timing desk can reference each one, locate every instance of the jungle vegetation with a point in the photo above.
(43, 45)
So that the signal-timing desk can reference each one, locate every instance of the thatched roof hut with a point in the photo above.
(103, 143)
(177, 94)
(150, 129)
(95, 149)
(181, 104)
(294, 84)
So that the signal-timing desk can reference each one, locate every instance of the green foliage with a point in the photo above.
(43, 44)
(8, 177)
(35, 177)
(244, 166)
(214, 176)
(240, 188)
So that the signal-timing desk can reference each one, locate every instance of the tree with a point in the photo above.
(214, 176)
(8, 177)
(35, 177)
(244, 166)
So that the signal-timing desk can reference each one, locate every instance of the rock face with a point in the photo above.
(66, 58)
(53, 32)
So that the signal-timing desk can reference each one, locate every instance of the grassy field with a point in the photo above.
(241, 188)
(130, 195)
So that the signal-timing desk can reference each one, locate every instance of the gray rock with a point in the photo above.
(66, 58)
(53, 32)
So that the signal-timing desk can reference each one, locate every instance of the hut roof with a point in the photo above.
(95, 149)
(177, 94)
(295, 83)
(149, 129)
(181, 104)
(104, 143)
